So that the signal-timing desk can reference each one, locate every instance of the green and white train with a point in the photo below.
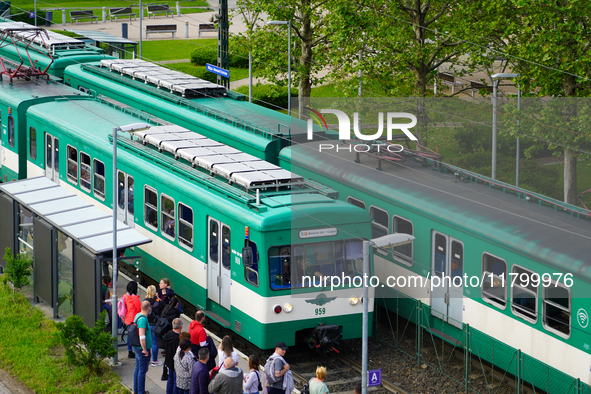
(202, 203)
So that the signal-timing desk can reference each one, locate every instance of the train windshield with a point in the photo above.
(296, 266)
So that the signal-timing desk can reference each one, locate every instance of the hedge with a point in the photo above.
(270, 96)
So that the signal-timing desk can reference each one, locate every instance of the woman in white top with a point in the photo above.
(227, 350)
(252, 379)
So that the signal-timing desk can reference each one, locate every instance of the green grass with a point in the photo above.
(30, 352)
(172, 49)
(20, 6)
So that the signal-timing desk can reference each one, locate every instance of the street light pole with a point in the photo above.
(518, 122)
(495, 79)
(494, 131)
(288, 23)
(387, 241)
(129, 129)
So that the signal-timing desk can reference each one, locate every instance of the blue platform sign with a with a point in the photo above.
(374, 377)
(217, 70)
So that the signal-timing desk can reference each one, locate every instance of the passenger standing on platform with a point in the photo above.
(357, 389)
(252, 380)
(170, 313)
(183, 366)
(165, 293)
(317, 385)
(133, 304)
(280, 368)
(106, 297)
(200, 374)
(197, 331)
(152, 298)
(228, 380)
(172, 341)
(142, 353)
(227, 350)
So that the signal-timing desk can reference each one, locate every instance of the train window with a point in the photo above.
(185, 226)
(556, 301)
(151, 207)
(252, 273)
(11, 131)
(214, 233)
(167, 216)
(226, 247)
(380, 224)
(494, 279)
(99, 178)
(85, 171)
(293, 266)
(356, 202)
(72, 164)
(524, 293)
(403, 226)
(32, 143)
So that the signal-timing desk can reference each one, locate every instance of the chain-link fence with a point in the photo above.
(471, 360)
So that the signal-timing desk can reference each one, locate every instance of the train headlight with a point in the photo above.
(277, 309)
(353, 301)
(287, 308)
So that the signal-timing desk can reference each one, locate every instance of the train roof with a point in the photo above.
(285, 199)
(548, 234)
(37, 89)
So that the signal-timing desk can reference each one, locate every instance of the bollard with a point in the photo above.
(178, 9)
(104, 15)
(186, 29)
(124, 30)
(63, 17)
(48, 18)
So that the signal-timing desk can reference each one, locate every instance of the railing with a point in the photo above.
(473, 361)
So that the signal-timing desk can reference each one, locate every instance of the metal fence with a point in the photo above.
(473, 361)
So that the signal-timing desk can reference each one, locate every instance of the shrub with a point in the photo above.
(238, 57)
(17, 270)
(86, 346)
(270, 96)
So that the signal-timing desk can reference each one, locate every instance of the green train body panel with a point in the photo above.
(86, 124)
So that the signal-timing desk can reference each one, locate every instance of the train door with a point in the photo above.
(447, 270)
(219, 263)
(52, 165)
(125, 191)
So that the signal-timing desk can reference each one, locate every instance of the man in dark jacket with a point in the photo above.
(171, 342)
(227, 381)
(200, 374)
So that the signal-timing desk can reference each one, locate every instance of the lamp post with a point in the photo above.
(288, 23)
(128, 129)
(496, 78)
(387, 241)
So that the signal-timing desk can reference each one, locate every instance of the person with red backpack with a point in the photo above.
(133, 307)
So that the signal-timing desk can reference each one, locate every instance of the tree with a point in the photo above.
(402, 42)
(17, 270)
(309, 36)
(548, 43)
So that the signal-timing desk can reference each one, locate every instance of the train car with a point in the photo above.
(517, 262)
(460, 228)
(203, 204)
(49, 50)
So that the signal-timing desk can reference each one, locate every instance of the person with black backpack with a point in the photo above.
(169, 313)
(252, 380)
(152, 298)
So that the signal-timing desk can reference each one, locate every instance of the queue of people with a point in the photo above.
(189, 365)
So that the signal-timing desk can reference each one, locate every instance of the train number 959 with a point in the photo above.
(320, 311)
